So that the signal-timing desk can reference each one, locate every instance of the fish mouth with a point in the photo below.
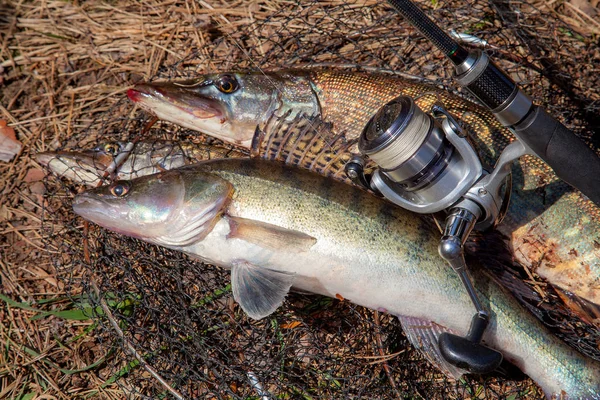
(100, 212)
(46, 157)
(90, 208)
(82, 167)
(159, 97)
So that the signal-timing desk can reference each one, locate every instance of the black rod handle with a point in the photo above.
(572, 160)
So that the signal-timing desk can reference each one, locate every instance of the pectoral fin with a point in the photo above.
(271, 236)
(259, 291)
(424, 336)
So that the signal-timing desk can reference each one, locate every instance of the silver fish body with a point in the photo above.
(276, 227)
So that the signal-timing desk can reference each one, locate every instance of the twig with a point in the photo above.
(532, 280)
(13, 229)
(380, 358)
(385, 365)
(163, 48)
(63, 114)
(128, 345)
(582, 14)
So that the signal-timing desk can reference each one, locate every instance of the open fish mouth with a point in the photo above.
(183, 105)
(174, 103)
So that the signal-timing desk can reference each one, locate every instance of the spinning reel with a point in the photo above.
(427, 165)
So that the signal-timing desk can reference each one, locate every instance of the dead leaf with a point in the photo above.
(291, 325)
(34, 175)
(9, 145)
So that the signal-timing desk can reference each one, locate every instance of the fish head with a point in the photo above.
(89, 167)
(173, 208)
(85, 167)
(228, 106)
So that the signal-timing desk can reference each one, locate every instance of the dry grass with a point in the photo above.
(61, 65)
(65, 66)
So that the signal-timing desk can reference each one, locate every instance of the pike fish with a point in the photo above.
(554, 230)
(128, 160)
(276, 227)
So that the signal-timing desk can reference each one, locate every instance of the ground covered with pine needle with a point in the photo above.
(65, 67)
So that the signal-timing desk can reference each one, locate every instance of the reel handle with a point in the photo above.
(468, 352)
(465, 352)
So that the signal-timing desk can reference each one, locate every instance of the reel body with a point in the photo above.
(427, 165)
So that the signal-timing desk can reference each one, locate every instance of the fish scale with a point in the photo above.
(338, 93)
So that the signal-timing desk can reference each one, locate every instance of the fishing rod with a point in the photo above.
(427, 164)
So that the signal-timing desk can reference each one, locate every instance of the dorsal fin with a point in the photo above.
(306, 142)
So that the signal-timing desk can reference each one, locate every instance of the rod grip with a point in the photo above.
(570, 158)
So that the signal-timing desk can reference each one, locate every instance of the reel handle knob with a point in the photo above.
(468, 352)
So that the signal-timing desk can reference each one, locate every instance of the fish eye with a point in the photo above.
(227, 84)
(111, 148)
(120, 189)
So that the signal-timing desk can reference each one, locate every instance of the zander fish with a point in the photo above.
(277, 228)
(554, 230)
